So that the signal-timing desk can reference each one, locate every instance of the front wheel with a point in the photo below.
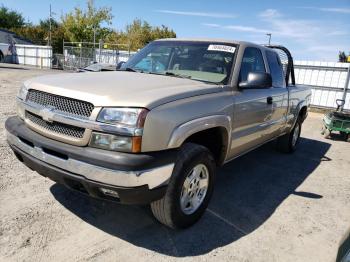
(189, 190)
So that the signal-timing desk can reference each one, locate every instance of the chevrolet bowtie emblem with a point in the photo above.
(47, 114)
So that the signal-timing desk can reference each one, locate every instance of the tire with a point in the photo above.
(1, 57)
(288, 142)
(169, 210)
(344, 135)
(327, 133)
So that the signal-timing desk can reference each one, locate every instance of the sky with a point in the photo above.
(311, 29)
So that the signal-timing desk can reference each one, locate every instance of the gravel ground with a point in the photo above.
(266, 206)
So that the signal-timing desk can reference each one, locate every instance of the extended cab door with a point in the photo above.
(252, 113)
(278, 94)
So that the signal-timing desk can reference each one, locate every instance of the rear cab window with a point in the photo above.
(276, 69)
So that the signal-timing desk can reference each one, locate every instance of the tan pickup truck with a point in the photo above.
(155, 131)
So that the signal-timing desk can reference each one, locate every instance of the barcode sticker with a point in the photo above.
(222, 48)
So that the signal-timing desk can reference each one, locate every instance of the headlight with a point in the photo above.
(116, 143)
(134, 117)
(22, 93)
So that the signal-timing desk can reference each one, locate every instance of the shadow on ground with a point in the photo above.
(12, 67)
(247, 193)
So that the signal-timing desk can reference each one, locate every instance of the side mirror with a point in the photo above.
(256, 81)
(119, 65)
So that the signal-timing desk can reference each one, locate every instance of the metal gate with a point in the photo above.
(328, 81)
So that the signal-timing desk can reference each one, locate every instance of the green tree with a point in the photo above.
(39, 34)
(34, 33)
(162, 32)
(10, 19)
(79, 25)
(45, 24)
(139, 33)
(343, 57)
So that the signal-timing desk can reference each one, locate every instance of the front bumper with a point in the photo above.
(137, 178)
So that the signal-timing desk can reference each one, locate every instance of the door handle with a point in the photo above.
(269, 100)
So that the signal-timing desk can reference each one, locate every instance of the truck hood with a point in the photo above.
(121, 88)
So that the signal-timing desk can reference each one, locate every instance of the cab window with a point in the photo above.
(276, 69)
(252, 62)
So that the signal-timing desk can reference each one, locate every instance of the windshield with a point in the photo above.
(203, 61)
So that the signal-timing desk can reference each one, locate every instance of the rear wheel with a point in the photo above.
(288, 142)
(189, 190)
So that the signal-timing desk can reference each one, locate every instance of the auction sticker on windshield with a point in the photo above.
(222, 48)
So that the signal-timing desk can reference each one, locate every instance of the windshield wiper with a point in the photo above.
(189, 77)
(129, 69)
(167, 73)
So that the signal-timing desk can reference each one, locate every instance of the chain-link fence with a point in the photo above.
(81, 54)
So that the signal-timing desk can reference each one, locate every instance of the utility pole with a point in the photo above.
(269, 35)
(94, 28)
(50, 26)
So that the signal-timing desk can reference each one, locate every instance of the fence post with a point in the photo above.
(24, 57)
(346, 86)
(81, 46)
(99, 50)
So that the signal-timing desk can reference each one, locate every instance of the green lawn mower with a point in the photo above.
(337, 121)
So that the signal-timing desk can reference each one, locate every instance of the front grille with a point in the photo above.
(61, 103)
(59, 128)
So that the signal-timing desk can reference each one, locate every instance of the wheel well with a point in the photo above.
(215, 139)
(303, 113)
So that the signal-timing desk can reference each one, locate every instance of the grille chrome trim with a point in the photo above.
(60, 103)
(90, 123)
(59, 128)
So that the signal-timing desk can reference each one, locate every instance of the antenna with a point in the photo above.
(269, 35)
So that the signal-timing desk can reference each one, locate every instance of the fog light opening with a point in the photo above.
(109, 192)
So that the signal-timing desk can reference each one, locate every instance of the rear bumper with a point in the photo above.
(137, 178)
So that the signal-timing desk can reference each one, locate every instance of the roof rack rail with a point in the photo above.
(287, 62)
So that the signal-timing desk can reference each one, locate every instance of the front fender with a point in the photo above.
(182, 132)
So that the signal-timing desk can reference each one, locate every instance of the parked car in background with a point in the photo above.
(156, 131)
(3, 51)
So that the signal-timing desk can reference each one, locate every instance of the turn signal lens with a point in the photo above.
(136, 144)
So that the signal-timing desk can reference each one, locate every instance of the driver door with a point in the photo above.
(252, 112)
